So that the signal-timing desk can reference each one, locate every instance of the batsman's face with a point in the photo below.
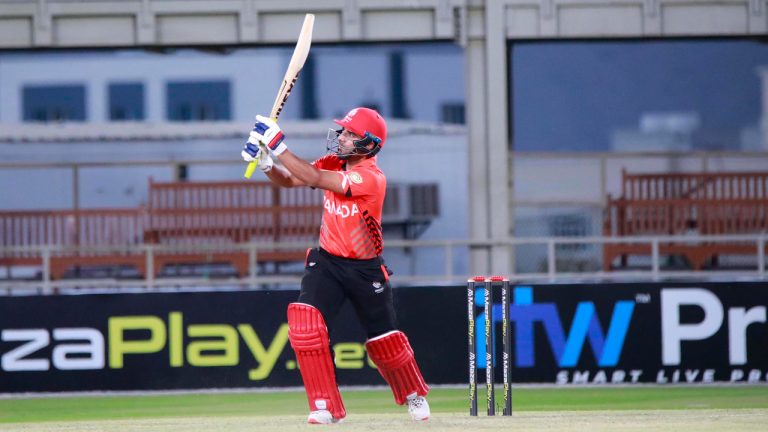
(347, 142)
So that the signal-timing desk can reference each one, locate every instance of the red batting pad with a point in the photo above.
(394, 357)
(309, 339)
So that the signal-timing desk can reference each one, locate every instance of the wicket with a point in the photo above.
(488, 284)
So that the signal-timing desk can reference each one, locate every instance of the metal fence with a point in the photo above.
(559, 251)
(557, 214)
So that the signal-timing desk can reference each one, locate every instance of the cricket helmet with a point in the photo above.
(366, 123)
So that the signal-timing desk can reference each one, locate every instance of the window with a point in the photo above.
(452, 113)
(198, 100)
(126, 101)
(570, 225)
(635, 95)
(44, 103)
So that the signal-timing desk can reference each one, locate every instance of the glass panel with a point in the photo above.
(126, 101)
(53, 103)
(637, 95)
(198, 100)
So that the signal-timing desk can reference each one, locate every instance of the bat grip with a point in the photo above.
(250, 169)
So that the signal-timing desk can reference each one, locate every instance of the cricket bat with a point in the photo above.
(291, 75)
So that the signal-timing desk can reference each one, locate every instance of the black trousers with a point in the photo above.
(330, 280)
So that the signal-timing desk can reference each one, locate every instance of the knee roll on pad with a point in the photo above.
(309, 339)
(393, 355)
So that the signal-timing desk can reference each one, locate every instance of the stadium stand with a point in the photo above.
(683, 204)
(183, 213)
(91, 237)
(180, 216)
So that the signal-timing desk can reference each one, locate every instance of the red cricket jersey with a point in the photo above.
(351, 225)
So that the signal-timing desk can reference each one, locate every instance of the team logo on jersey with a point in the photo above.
(355, 178)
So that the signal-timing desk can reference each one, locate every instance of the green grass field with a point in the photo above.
(261, 409)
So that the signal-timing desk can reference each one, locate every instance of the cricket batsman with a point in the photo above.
(348, 263)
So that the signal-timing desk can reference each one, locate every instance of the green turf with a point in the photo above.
(374, 401)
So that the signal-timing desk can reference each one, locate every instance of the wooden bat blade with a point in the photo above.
(298, 59)
(300, 53)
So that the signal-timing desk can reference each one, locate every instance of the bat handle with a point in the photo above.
(251, 168)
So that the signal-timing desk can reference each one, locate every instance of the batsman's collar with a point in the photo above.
(365, 163)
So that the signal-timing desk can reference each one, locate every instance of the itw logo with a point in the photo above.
(524, 313)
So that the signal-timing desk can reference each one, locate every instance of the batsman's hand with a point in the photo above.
(254, 152)
(267, 132)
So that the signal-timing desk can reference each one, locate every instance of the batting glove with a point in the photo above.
(254, 152)
(267, 132)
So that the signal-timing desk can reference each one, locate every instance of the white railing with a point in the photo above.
(448, 276)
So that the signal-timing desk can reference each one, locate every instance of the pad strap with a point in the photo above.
(309, 338)
(393, 355)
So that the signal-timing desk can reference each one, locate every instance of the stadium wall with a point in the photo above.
(565, 334)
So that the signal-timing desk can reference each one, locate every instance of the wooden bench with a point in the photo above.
(188, 213)
(686, 203)
(108, 229)
(179, 215)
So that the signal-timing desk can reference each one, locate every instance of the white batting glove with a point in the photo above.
(267, 132)
(257, 152)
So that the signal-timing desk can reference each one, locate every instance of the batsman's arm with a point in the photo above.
(282, 177)
(311, 176)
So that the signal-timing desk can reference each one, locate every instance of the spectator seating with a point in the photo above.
(683, 204)
(107, 229)
(184, 213)
(179, 215)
